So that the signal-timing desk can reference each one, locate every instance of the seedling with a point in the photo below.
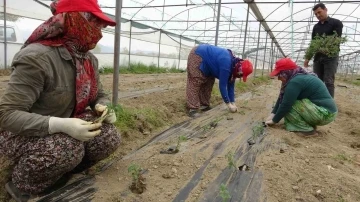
(257, 130)
(110, 109)
(212, 124)
(180, 140)
(224, 193)
(138, 185)
(230, 158)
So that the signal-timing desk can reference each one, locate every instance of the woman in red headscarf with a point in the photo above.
(207, 62)
(304, 101)
(45, 127)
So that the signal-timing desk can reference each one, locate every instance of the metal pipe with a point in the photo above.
(246, 24)
(117, 52)
(262, 73)
(257, 51)
(5, 37)
(163, 10)
(217, 23)
(179, 54)
(352, 72)
(292, 28)
(271, 55)
(130, 44)
(234, 3)
(159, 50)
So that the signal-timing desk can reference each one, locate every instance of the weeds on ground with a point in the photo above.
(343, 158)
(230, 158)
(341, 199)
(224, 193)
(140, 68)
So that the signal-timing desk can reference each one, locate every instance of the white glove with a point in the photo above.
(103, 110)
(76, 128)
(270, 117)
(232, 107)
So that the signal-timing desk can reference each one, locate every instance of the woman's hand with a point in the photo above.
(104, 111)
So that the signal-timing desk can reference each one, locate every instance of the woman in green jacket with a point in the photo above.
(46, 129)
(304, 101)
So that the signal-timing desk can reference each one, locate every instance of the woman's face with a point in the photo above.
(280, 78)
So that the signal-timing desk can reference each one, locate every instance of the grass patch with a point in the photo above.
(251, 84)
(342, 157)
(129, 119)
(140, 68)
(350, 80)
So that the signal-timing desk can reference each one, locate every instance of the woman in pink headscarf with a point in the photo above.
(45, 128)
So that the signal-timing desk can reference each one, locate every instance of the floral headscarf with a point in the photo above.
(78, 32)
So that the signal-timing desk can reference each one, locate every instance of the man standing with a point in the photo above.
(324, 66)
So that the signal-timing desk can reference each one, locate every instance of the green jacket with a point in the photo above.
(41, 85)
(301, 87)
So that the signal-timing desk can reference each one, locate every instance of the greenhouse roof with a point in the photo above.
(282, 27)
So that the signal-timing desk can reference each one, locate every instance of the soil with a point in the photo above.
(290, 167)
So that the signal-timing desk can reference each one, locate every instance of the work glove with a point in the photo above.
(270, 117)
(232, 107)
(109, 117)
(76, 128)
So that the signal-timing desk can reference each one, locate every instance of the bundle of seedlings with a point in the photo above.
(327, 45)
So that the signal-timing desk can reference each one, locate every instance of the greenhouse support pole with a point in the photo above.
(217, 23)
(262, 73)
(159, 49)
(117, 52)
(179, 54)
(271, 55)
(257, 49)
(130, 44)
(5, 37)
(353, 68)
(357, 20)
(292, 27)
(246, 27)
(163, 10)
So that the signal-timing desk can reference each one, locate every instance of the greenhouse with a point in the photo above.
(143, 65)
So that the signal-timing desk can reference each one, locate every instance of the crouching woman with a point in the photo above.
(46, 129)
(304, 101)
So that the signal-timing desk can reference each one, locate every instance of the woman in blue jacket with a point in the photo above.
(205, 63)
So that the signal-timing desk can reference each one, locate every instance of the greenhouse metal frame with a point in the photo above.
(261, 31)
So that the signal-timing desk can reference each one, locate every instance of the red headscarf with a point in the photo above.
(78, 32)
